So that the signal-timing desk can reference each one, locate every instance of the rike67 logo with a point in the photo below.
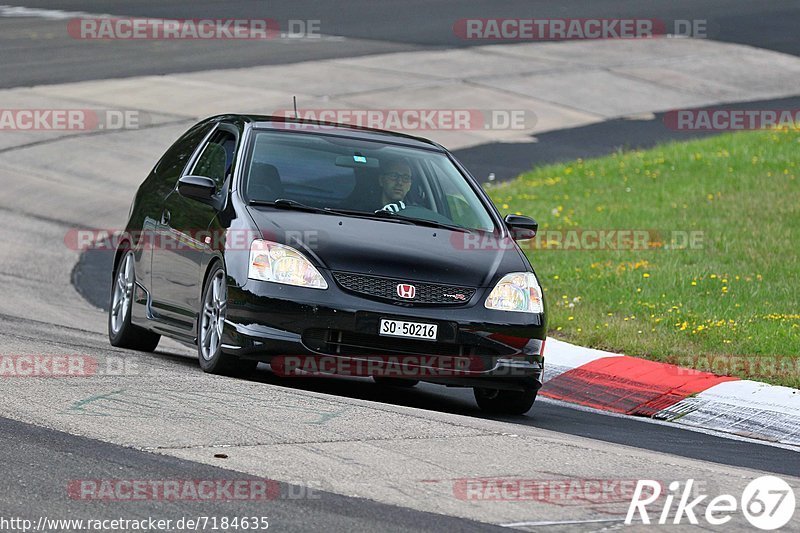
(767, 502)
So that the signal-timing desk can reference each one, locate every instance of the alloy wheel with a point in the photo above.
(213, 317)
(123, 293)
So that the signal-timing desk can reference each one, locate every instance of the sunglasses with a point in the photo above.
(402, 178)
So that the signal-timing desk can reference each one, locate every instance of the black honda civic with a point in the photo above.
(325, 249)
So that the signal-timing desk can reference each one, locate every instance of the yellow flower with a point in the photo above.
(645, 275)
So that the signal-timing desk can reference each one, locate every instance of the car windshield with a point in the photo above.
(343, 174)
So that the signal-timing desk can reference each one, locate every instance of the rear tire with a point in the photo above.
(121, 333)
(395, 382)
(210, 323)
(507, 402)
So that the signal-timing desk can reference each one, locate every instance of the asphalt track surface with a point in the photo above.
(39, 51)
(24, 448)
(40, 461)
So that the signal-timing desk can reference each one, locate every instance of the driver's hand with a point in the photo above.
(393, 208)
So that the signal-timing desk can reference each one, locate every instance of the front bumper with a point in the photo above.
(268, 320)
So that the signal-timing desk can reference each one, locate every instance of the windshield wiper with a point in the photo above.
(284, 203)
(419, 221)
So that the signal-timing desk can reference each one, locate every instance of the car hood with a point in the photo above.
(390, 249)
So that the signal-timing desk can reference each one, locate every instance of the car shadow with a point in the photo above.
(428, 396)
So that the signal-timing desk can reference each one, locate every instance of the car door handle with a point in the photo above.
(165, 216)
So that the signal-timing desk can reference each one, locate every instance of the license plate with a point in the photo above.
(413, 330)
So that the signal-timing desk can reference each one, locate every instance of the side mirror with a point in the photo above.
(521, 227)
(198, 188)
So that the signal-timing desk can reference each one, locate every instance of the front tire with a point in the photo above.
(506, 402)
(121, 333)
(210, 324)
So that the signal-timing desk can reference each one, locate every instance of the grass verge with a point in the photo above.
(706, 270)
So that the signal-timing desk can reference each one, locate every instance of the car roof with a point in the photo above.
(273, 122)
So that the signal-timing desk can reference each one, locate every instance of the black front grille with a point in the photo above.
(386, 289)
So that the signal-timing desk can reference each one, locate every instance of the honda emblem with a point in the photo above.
(404, 290)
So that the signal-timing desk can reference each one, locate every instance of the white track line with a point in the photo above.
(50, 14)
(7, 11)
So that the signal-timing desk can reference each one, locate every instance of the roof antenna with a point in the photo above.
(294, 99)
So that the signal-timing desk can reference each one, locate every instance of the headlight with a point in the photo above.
(518, 291)
(270, 261)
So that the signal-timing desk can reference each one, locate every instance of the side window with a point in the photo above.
(309, 175)
(216, 158)
(172, 163)
(456, 192)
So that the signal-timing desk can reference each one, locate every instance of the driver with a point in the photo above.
(395, 181)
